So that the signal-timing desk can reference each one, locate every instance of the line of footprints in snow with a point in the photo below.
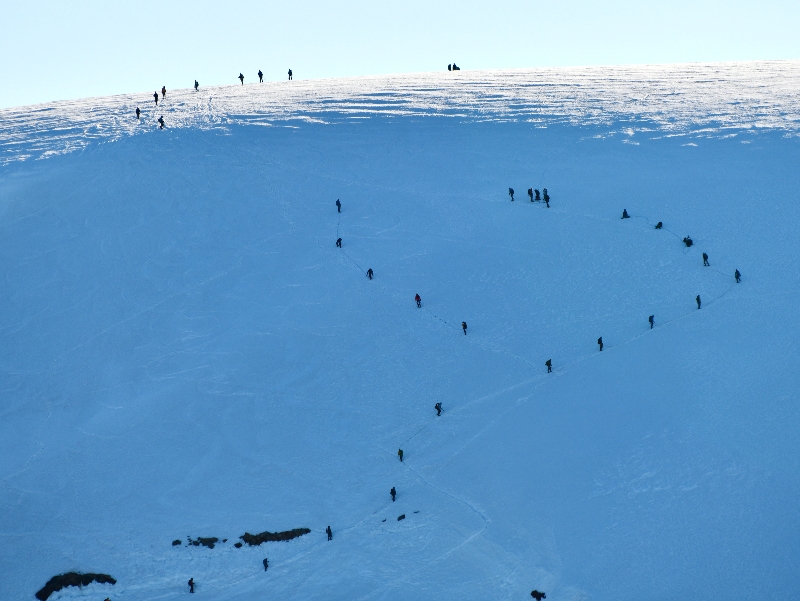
(535, 196)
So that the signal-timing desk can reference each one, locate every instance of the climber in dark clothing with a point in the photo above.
(393, 492)
(260, 76)
(536, 192)
(338, 243)
(464, 327)
(266, 563)
(697, 298)
(191, 585)
(659, 225)
(652, 321)
(161, 121)
(196, 85)
(418, 298)
(137, 112)
(530, 194)
(537, 595)
(456, 67)
(369, 273)
(705, 260)
(546, 197)
(625, 214)
(290, 75)
(338, 206)
(400, 454)
(549, 364)
(155, 96)
(600, 342)
(449, 67)
(438, 407)
(241, 78)
(511, 194)
(329, 532)
(687, 241)
(737, 275)
(163, 92)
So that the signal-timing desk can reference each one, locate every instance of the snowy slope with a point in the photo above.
(186, 353)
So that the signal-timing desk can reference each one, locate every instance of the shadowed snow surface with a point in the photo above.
(185, 352)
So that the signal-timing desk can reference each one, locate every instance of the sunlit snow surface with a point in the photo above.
(671, 97)
(185, 352)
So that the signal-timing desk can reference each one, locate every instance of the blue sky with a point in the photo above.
(58, 50)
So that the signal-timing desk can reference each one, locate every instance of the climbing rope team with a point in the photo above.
(534, 196)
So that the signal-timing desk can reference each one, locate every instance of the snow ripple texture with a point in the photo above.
(672, 98)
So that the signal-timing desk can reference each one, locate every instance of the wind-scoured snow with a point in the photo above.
(671, 97)
(184, 352)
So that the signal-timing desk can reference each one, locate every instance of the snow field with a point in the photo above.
(185, 352)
